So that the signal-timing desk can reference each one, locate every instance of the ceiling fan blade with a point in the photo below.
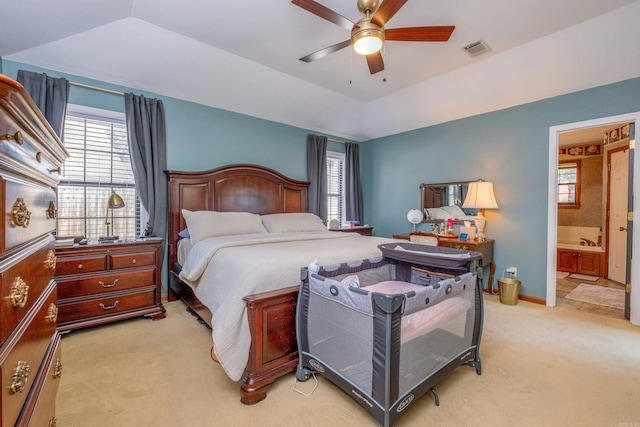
(419, 34)
(325, 13)
(375, 62)
(385, 12)
(326, 51)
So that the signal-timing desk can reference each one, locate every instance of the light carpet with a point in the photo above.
(584, 277)
(541, 366)
(600, 295)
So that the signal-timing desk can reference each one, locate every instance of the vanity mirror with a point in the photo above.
(444, 200)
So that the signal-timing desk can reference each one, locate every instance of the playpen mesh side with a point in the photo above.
(342, 338)
(451, 334)
(342, 330)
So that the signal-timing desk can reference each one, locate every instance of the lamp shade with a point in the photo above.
(115, 201)
(480, 195)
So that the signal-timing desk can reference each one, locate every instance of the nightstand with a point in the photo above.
(364, 230)
(485, 248)
(104, 282)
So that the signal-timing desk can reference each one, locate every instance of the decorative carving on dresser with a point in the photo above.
(29, 341)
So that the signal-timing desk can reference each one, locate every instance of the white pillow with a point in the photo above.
(454, 211)
(438, 213)
(203, 224)
(293, 222)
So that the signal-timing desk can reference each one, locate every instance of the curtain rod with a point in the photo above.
(115, 92)
(339, 141)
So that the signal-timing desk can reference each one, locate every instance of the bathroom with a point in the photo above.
(590, 243)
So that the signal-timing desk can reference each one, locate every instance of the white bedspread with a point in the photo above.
(222, 270)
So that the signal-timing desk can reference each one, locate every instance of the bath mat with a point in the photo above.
(561, 274)
(584, 277)
(599, 295)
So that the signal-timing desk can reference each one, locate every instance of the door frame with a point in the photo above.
(552, 209)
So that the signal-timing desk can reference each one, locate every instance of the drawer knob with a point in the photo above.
(52, 211)
(20, 214)
(20, 377)
(17, 137)
(51, 260)
(109, 307)
(133, 261)
(57, 369)
(52, 313)
(80, 266)
(108, 285)
(19, 293)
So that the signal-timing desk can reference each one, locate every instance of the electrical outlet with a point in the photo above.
(513, 271)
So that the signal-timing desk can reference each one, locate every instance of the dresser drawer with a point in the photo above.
(105, 305)
(105, 283)
(25, 150)
(40, 409)
(81, 264)
(27, 211)
(133, 259)
(22, 353)
(22, 280)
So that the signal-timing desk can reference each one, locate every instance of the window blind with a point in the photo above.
(99, 162)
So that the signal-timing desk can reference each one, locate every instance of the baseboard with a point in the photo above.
(532, 299)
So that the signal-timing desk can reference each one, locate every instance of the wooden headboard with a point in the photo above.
(232, 188)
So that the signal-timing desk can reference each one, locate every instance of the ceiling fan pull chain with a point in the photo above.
(350, 66)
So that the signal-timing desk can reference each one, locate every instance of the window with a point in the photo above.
(335, 187)
(99, 163)
(569, 184)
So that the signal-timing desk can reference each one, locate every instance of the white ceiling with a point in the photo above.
(243, 56)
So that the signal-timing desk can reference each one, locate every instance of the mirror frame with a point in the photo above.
(423, 197)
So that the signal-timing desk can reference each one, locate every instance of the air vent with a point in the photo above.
(477, 48)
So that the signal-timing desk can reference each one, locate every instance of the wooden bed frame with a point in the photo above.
(245, 188)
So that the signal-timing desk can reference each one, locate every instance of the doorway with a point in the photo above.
(554, 138)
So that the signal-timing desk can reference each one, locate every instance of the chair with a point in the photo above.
(421, 238)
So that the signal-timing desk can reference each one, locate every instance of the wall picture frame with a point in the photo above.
(614, 135)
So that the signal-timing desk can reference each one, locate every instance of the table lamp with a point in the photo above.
(115, 202)
(480, 195)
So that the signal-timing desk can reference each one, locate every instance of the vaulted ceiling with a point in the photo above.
(243, 56)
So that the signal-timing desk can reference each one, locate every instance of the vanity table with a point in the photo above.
(485, 248)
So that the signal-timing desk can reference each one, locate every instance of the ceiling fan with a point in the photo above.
(368, 34)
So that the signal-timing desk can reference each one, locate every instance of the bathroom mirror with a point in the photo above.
(447, 196)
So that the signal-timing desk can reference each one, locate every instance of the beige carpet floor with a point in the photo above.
(541, 367)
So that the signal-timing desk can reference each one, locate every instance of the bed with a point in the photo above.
(267, 308)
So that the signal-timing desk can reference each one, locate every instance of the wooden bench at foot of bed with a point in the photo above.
(273, 351)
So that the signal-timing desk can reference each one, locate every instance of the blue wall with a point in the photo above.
(201, 137)
(509, 147)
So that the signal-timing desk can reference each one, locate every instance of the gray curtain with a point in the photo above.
(317, 175)
(148, 146)
(352, 184)
(50, 96)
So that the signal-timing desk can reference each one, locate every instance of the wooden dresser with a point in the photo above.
(103, 282)
(30, 157)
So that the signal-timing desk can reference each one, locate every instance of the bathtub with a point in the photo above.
(569, 238)
(578, 247)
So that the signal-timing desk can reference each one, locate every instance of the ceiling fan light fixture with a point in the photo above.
(367, 38)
